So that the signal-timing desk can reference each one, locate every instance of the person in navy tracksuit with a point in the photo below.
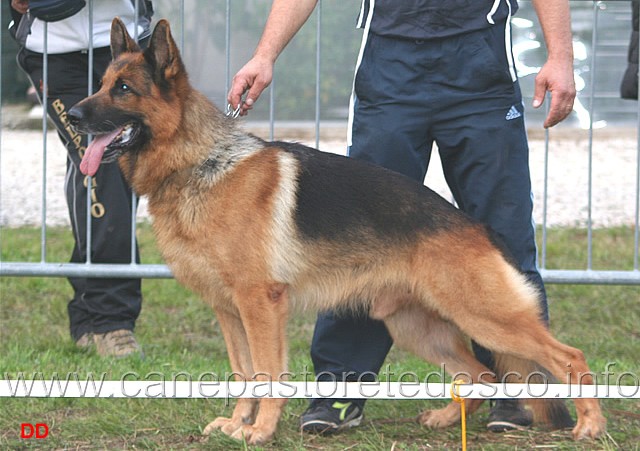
(431, 72)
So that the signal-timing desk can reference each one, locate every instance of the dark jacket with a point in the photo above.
(629, 85)
(432, 19)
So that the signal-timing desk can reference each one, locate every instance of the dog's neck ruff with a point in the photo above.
(227, 153)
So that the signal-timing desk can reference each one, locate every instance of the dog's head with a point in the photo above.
(139, 98)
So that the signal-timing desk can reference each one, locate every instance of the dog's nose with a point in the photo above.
(75, 115)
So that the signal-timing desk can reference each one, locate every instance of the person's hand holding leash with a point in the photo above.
(252, 79)
(285, 19)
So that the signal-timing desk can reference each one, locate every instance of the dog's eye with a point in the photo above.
(121, 88)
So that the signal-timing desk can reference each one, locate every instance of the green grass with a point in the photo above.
(179, 333)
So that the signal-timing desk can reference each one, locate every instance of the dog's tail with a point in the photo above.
(549, 413)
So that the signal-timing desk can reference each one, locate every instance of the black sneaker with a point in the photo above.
(508, 415)
(328, 416)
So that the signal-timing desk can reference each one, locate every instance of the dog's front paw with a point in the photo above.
(239, 430)
(252, 435)
(440, 418)
(227, 425)
(590, 428)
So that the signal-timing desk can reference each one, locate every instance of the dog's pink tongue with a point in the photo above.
(93, 155)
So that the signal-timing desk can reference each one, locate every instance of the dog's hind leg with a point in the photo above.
(493, 304)
(567, 364)
(427, 335)
(530, 340)
(237, 345)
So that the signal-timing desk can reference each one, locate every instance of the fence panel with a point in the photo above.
(215, 45)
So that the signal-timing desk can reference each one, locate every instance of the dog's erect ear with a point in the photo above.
(163, 53)
(121, 42)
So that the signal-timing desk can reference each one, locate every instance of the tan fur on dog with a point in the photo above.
(253, 227)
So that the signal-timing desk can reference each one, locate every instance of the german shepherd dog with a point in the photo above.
(255, 227)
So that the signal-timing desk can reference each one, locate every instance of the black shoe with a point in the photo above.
(328, 416)
(507, 415)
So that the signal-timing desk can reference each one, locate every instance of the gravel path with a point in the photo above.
(614, 177)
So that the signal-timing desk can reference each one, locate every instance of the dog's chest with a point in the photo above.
(186, 243)
(192, 265)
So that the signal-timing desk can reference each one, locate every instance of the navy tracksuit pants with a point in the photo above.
(460, 93)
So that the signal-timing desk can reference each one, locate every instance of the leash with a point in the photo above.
(230, 112)
(463, 414)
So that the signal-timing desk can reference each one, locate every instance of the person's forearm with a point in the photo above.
(285, 19)
(555, 20)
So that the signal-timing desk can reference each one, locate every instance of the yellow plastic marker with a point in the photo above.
(463, 414)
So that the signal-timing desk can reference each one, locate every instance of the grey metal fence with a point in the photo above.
(602, 30)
